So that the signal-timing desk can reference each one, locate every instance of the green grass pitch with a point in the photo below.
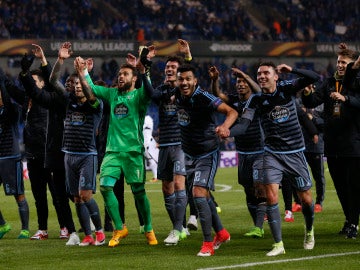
(331, 251)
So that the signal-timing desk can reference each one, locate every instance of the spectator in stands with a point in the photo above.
(206, 20)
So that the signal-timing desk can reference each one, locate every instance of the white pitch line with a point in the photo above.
(224, 188)
(219, 188)
(280, 261)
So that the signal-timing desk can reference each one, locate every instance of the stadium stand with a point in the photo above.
(232, 20)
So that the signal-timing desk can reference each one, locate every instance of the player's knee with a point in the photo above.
(108, 181)
(105, 189)
(305, 197)
(19, 198)
(168, 187)
(138, 190)
(85, 196)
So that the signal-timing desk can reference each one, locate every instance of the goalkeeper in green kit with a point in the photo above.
(124, 148)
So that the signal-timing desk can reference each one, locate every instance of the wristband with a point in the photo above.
(95, 104)
(188, 59)
(306, 93)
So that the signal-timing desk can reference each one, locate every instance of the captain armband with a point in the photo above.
(95, 104)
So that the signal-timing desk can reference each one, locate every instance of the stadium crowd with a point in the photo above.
(300, 20)
(194, 20)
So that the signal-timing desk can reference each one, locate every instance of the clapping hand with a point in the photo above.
(65, 51)
(213, 73)
(38, 51)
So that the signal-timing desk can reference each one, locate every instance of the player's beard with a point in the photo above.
(125, 88)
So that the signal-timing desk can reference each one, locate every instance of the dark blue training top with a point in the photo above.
(252, 142)
(196, 117)
(9, 123)
(80, 126)
(169, 129)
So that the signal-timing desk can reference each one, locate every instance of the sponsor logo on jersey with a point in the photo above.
(279, 114)
(121, 110)
(77, 119)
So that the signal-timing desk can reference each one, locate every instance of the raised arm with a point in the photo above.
(184, 48)
(253, 85)
(12, 89)
(80, 66)
(351, 79)
(131, 59)
(306, 77)
(64, 53)
(214, 84)
(39, 53)
(143, 61)
(145, 79)
(145, 56)
(356, 64)
(45, 65)
(143, 66)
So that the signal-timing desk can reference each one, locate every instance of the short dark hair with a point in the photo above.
(37, 72)
(175, 58)
(187, 67)
(134, 71)
(100, 82)
(74, 75)
(268, 64)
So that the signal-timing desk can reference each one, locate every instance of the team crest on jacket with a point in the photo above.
(279, 114)
(77, 119)
(121, 110)
(183, 118)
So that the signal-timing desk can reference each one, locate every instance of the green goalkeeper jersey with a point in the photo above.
(127, 114)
